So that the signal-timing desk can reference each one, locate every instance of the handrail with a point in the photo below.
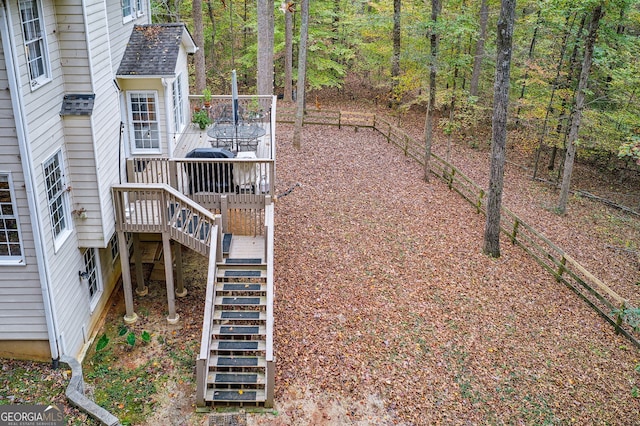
(269, 358)
(148, 207)
(269, 223)
(202, 366)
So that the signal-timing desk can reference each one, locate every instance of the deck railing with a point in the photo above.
(599, 296)
(157, 208)
(202, 362)
(218, 184)
(270, 376)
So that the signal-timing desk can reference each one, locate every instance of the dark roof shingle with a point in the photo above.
(77, 104)
(152, 50)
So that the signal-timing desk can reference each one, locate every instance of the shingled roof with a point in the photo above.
(153, 50)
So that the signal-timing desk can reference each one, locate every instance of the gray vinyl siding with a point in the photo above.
(21, 304)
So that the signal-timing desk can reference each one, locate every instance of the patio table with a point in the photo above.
(235, 137)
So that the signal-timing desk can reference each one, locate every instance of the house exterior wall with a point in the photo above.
(85, 40)
(23, 329)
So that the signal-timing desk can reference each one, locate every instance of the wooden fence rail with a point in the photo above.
(605, 301)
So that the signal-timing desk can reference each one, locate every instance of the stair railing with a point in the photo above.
(269, 357)
(202, 363)
(150, 208)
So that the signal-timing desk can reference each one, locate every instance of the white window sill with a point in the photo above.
(61, 239)
(12, 262)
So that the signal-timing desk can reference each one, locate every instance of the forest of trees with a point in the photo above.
(386, 45)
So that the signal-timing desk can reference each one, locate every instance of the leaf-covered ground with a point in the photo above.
(387, 311)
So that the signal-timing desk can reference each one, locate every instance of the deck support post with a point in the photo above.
(130, 316)
(141, 288)
(224, 211)
(168, 272)
(180, 290)
(218, 238)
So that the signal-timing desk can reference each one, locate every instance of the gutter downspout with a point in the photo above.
(30, 183)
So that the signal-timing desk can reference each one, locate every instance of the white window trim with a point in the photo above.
(64, 234)
(178, 127)
(14, 260)
(132, 15)
(93, 300)
(46, 77)
(132, 136)
(137, 10)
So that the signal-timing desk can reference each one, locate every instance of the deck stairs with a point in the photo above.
(236, 370)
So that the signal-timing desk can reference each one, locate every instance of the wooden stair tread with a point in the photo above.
(236, 330)
(243, 287)
(240, 362)
(238, 345)
(233, 378)
(222, 315)
(216, 395)
(240, 301)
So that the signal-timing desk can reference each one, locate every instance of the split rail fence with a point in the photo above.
(606, 302)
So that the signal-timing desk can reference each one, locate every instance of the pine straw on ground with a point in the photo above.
(387, 312)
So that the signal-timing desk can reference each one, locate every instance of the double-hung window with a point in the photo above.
(35, 42)
(92, 275)
(131, 9)
(57, 195)
(11, 250)
(128, 11)
(178, 104)
(143, 119)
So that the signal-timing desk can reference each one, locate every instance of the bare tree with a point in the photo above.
(265, 47)
(198, 37)
(395, 59)
(479, 55)
(499, 127)
(302, 72)
(288, 9)
(578, 107)
(436, 5)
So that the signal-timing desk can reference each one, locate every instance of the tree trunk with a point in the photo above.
(479, 56)
(428, 126)
(212, 52)
(499, 127)
(554, 88)
(302, 72)
(395, 60)
(288, 55)
(265, 47)
(198, 38)
(579, 106)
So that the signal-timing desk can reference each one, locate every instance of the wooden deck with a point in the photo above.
(193, 138)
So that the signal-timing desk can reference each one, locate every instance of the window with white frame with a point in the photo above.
(91, 275)
(178, 104)
(131, 9)
(127, 10)
(143, 116)
(10, 239)
(57, 194)
(35, 43)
